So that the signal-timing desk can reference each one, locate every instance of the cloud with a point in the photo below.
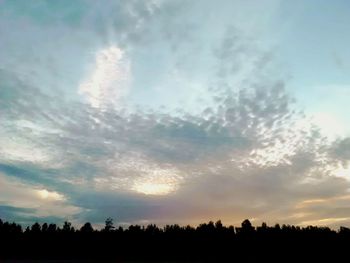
(109, 79)
(341, 150)
(54, 47)
(249, 155)
(22, 200)
(242, 148)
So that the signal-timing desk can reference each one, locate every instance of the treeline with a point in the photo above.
(206, 242)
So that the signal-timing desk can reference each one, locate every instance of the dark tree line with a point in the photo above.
(206, 242)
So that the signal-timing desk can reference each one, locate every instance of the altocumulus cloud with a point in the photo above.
(72, 147)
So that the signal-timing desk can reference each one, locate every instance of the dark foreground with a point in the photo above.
(211, 242)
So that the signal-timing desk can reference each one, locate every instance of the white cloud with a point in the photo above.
(109, 81)
(330, 124)
(40, 202)
(47, 195)
(248, 155)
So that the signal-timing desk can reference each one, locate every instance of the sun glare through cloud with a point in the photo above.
(50, 196)
(153, 188)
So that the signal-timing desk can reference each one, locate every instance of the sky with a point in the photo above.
(174, 111)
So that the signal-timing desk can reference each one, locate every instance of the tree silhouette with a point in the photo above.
(36, 228)
(218, 224)
(67, 227)
(52, 228)
(44, 228)
(247, 226)
(208, 242)
(108, 224)
(86, 228)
